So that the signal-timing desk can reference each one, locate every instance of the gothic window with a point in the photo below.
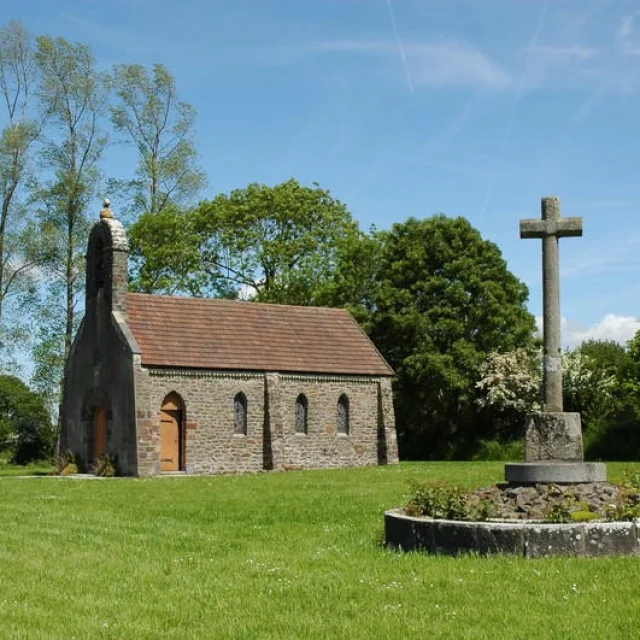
(302, 410)
(343, 414)
(240, 414)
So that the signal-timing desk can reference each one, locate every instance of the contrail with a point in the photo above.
(582, 112)
(519, 95)
(555, 159)
(400, 47)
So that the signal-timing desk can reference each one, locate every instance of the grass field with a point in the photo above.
(290, 555)
(33, 469)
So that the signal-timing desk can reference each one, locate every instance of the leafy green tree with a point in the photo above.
(446, 299)
(165, 254)
(76, 94)
(18, 74)
(354, 282)
(25, 424)
(613, 427)
(274, 244)
(607, 355)
(160, 127)
(594, 382)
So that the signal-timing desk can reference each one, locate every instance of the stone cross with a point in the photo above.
(551, 228)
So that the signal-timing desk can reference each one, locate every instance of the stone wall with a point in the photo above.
(272, 441)
(210, 444)
(323, 446)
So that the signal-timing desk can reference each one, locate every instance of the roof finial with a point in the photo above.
(106, 211)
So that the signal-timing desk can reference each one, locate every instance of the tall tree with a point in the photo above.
(276, 244)
(76, 94)
(160, 126)
(445, 300)
(18, 72)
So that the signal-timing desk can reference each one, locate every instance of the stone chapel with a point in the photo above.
(168, 384)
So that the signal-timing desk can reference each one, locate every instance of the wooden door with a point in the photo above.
(99, 433)
(170, 440)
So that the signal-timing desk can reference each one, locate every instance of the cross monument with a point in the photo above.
(550, 229)
(553, 438)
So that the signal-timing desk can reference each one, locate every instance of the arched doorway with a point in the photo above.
(99, 433)
(171, 437)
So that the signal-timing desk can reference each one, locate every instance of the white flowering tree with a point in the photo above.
(587, 387)
(510, 383)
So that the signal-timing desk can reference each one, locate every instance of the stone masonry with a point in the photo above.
(272, 441)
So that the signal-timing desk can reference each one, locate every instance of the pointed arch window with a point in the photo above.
(240, 414)
(343, 414)
(302, 413)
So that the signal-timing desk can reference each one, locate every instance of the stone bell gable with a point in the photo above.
(168, 384)
(98, 408)
(107, 264)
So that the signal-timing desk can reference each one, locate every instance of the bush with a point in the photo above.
(627, 506)
(618, 439)
(67, 464)
(449, 502)
(105, 466)
(496, 450)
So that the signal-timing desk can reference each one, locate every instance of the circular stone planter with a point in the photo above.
(524, 538)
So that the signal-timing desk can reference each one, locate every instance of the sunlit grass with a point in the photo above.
(278, 556)
(41, 468)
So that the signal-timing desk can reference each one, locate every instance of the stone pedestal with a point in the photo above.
(553, 452)
(554, 471)
(553, 436)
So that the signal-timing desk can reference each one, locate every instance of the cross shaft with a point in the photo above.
(550, 229)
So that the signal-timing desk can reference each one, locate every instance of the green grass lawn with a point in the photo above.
(41, 468)
(290, 555)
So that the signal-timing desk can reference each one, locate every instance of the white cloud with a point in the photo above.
(430, 63)
(626, 36)
(612, 327)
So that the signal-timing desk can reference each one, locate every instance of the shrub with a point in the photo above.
(450, 502)
(67, 464)
(559, 513)
(624, 510)
(496, 450)
(105, 466)
(70, 470)
(627, 506)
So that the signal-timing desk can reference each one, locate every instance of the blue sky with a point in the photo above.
(408, 108)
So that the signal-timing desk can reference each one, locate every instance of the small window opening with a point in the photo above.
(240, 414)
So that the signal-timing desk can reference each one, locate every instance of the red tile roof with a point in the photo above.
(198, 333)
